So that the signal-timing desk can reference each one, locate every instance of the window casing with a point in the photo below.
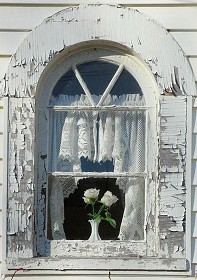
(66, 113)
(164, 70)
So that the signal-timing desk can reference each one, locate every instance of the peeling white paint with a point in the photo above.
(103, 25)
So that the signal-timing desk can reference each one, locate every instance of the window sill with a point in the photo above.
(138, 265)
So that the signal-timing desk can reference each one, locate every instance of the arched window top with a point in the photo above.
(97, 83)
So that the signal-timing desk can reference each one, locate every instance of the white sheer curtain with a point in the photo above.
(100, 136)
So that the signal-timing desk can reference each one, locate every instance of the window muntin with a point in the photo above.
(101, 133)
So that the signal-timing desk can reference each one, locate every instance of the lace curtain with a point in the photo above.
(99, 136)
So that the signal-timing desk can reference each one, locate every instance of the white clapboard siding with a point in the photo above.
(194, 151)
(0, 225)
(194, 198)
(170, 18)
(193, 62)
(187, 41)
(1, 120)
(24, 18)
(1, 146)
(1, 172)
(4, 61)
(194, 175)
(194, 250)
(194, 224)
(194, 172)
(1, 193)
(9, 41)
(125, 2)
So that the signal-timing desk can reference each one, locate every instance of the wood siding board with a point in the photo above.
(194, 121)
(194, 172)
(187, 41)
(194, 225)
(1, 171)
(172, 17)
(193, 62)
(194, 198)
(194, 146)
(4, 62)
(123, 2)
(10, 41)
(22, 17)
(194, 250)
(1, 149)
(1, 196)
(1, 124)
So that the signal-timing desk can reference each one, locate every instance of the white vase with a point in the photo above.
(94, 230)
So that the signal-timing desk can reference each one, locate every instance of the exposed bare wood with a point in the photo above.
(105, 263)
(97, 175)
(173, 76)
(104, 108)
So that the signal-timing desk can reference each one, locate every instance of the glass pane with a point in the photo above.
(68, 91)
(102, 166)
(97, 75)
(70, 214)
(126, 84)
(75, 207)
(93, 141)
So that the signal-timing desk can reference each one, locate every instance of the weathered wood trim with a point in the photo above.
(115, 264)
(188, 179)
(173, 67)
(61, 3)
(32, 65)
(5, 182)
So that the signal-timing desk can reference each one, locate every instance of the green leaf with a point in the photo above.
(112, 222)
(107, 215)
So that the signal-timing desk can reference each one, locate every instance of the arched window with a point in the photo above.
(101, 133)
(94, 104)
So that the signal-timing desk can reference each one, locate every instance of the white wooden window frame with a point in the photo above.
(129, 249)
(173, 75)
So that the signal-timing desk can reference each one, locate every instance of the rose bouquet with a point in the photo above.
(91, 197)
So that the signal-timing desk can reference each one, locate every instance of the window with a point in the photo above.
(98, 119)
(162, 79)
(98, 134)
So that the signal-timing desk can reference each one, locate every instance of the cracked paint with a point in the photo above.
(68, 28)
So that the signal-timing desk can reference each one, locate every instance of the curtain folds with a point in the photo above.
(99, 136)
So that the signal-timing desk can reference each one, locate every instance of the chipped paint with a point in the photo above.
(38, 54)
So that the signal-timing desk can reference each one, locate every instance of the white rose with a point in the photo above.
(91, 193)
(108, 199)
(86, 200)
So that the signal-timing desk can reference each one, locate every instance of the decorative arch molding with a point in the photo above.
(59, 36)
(110, 23)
